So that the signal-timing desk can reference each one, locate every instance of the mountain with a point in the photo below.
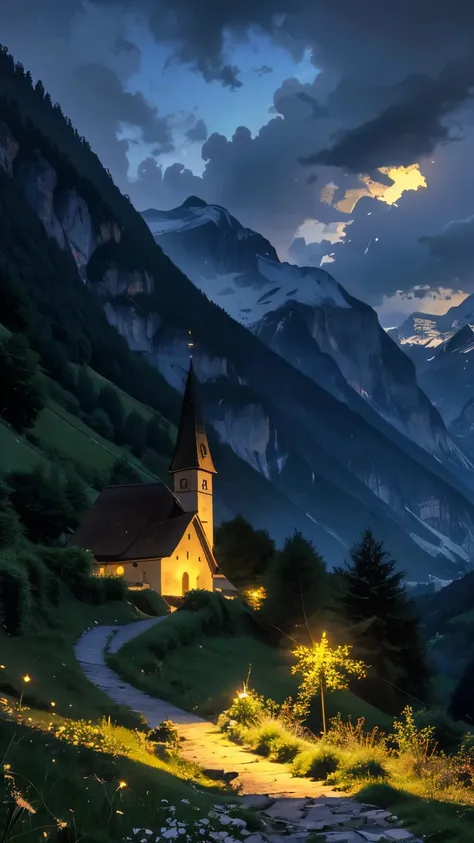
(304, 315)
(422, 333)
(441, 347)
(82, 275)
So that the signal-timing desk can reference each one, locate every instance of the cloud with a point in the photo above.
(453, 251)
(198, 132)
(263, 70)
(406, 131)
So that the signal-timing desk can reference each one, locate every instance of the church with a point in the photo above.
(157, 537)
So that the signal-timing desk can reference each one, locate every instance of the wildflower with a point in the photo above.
(185, 802)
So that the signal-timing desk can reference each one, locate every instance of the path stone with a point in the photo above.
(300, 806)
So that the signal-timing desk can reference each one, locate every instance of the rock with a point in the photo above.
(39, 181)
(398, 834)
(215, 775)
(9, 147)
(373, 836)
(229, 777)
(256, 800)
(288, 809)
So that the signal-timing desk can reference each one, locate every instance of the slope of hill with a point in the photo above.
(289, 454)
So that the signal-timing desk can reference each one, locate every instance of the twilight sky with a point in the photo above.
(343, 130)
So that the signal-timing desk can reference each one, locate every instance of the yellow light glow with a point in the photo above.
(27, 678)
(403, 178)
(242, 694)
(120, 571)
(53, 704)
(122, 785)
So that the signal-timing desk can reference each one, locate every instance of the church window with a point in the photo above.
(187, 554)
(185, 583)
(177, 557)
(199, 558)
(120, 571)
(183, 483)
(204, 485)
(102, 571)
(203, 450)
(189, 537)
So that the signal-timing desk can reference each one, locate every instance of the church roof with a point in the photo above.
(192, 448)
(135, 521)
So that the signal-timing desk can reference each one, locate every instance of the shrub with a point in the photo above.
(317, 763)
(149, 602)
(44, 586)
(247, 709)
(166, 733)
(264, 738)
(447, 734)
(97, 590)
(15, 596)
(410, 739)
(271, 738)
(349, 736)
(69, 564)
(365, 764)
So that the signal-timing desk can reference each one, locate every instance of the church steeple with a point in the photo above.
(192, 466)
(192, 448)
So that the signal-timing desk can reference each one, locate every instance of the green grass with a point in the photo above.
(16, 453)
(46, 654)
(205, 675)
(438, 821)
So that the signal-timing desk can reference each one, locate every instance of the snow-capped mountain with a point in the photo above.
(304, 315)
(421, 334)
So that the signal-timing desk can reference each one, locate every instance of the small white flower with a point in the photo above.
(185, 802)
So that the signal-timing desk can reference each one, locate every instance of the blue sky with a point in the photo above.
(174, 88)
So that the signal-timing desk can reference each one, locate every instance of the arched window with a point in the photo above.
(203, 450)
(185, 583)
(120, 571)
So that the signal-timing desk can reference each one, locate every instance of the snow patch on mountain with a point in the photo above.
(447, 546)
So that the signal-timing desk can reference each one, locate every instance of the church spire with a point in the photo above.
(192, 448)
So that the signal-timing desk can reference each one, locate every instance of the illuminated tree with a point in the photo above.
(323, 669)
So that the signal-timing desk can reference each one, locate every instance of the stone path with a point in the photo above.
(296, 806)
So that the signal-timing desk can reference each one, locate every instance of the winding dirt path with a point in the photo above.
(203, 743)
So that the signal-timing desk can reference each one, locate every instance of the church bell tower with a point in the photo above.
(192, 468)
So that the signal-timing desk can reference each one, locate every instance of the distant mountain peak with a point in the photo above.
(194, 202)
(460, 341)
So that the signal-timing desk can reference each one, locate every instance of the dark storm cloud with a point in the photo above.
(263, 70)
(453, 250)
(119, 106)
(197, 133)
(408, 130)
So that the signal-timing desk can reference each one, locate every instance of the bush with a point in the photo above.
(98, 590)
(100, 422)
(317, 763)
(272, 739)
(447, 734)
(15, 596)
(365, 764)
(69, 564)
(149, 602)
(44, 586)
(166, 733)
(247, 710)
(214, 610)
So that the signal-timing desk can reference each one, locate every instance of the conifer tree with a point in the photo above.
(462, 701)
(385, 628)
(134, 432)
(296, 585)
(110, 403)
(21, 396)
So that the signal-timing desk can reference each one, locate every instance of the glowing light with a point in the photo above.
(122, 785)
(403, 178)
(53, 704)
(27, 678)
(242, 694)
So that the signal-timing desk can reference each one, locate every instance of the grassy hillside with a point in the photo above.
(204, 672)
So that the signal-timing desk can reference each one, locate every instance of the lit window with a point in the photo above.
(204, 485)
(120, 571)
(187, 554)
(203, 450)
(102, 571)
(189, 537)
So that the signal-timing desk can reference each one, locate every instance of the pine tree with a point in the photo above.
(385, 628)
(296, 585)
(243, 553)
(462, 701)
(21, 397)
(158, 437)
